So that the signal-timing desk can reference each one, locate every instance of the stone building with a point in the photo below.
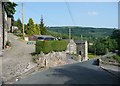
(5, 25)
(78, 47)
(82, 49)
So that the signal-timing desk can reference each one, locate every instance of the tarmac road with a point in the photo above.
(0, 70)
(77, 73)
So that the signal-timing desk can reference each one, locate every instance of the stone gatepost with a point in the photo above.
(71, 47)
(86, 50)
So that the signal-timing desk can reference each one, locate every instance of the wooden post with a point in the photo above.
(69, 39)
(23, 18)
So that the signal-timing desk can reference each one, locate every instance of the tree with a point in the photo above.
(111, 44)
(42, 27)
(18, 23)
(10, 8)
(116, 35)
(37, 28)
(99, 46)
(103, 46)
(25, 28)
(30, 27)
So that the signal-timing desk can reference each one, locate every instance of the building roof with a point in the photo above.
(79, 41)
(44, 36)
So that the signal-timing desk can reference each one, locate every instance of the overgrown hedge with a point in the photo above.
(49, 46)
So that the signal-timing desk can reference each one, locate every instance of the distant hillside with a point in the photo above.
(84, 31)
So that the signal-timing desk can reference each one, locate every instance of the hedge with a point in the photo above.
(49, 46)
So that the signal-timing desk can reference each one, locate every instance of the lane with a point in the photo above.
(77, 73)
(0, 70)
(16, 59)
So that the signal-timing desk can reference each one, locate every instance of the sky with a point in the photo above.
(85, 14)
(119, 15)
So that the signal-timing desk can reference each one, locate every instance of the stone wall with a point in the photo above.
(5, 27)
(9, 23)
(52, 59)
(60, 58)
(1, 28)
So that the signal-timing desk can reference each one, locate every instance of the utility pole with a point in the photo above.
(23, 18)
(69, 34)
(81, 38)
(69, 38)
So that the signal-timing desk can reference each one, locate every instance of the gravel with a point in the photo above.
(16, 60)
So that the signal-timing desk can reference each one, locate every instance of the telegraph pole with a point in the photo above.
(69, 34)
(23, 18)
(69, 38)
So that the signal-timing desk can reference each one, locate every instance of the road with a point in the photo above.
(16, 60)
(77, 73)
(0, 70)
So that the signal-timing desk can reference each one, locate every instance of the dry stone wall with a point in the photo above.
(52, 59)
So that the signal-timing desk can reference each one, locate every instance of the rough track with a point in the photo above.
(16, 60)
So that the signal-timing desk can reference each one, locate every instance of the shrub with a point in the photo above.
(114, 58)
(49, 46)
(59, 45)
(46, 48)
(117, 58)
(8, 43)
(39, 46)
(35, 59)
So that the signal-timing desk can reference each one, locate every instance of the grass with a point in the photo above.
(90, 55)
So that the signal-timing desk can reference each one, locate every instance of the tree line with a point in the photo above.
(106, 44)
(31, 28)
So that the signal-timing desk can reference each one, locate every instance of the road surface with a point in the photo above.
(77, 73)
(0, 70)
(16, 60)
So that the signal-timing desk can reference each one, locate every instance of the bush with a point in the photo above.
(49, 46)
(59, 45)
(8, 43)
(114, 58)
(117, 58)
(35, 58)
(46, 48)
(18, 34)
